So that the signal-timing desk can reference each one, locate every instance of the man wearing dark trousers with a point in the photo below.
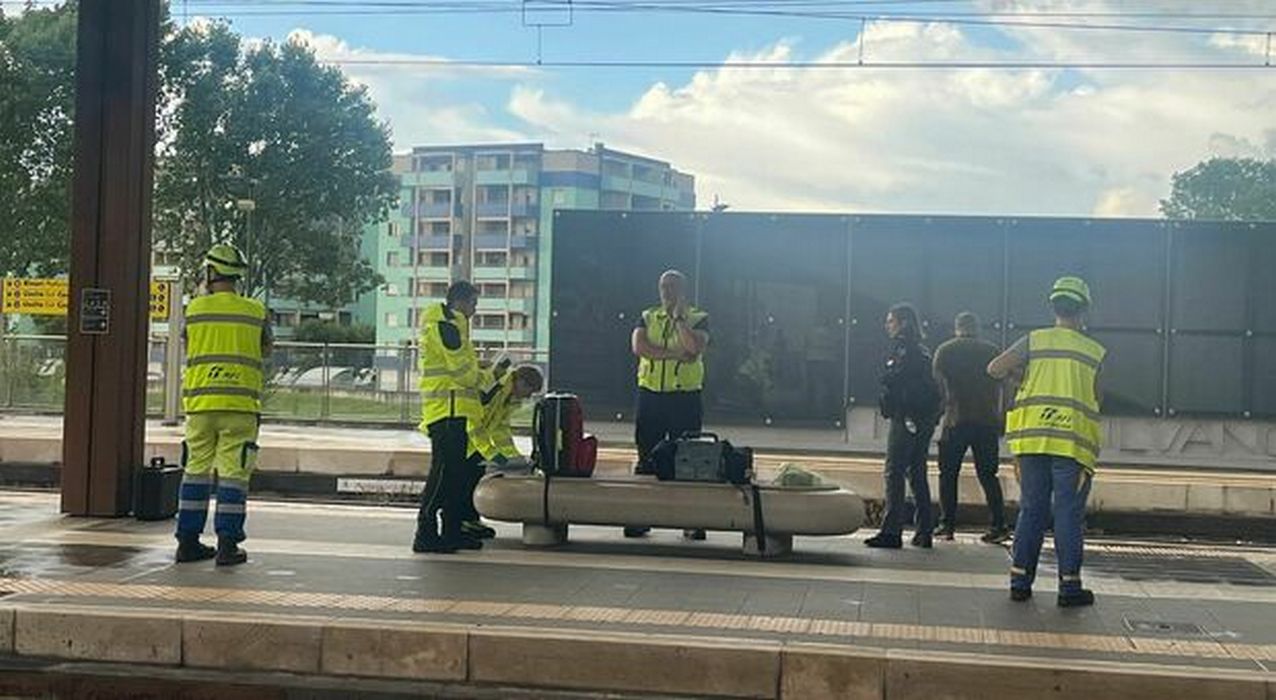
(450, 381)
(669, 342)
(972, 420)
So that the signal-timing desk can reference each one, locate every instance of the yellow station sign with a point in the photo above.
(48, 297)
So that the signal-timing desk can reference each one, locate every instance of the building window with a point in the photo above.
(392, 259)
(393, 229)
(392, 320)
(392, 289)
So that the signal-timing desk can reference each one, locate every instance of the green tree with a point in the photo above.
(235, 121)
(37, 59)
(270, 124)
(1226, 189)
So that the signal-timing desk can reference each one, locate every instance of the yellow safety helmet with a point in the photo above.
(1073, 288)
(226, 260)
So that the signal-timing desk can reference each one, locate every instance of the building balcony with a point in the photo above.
(434, 273)
(647, 189)
(490, 273)
(520, 304)
(616, 183)
(516, 176)
(525, 209)
(433, 242)
(491, 241)
(500, 335)
(518, 242)
(492, 210)
(434, 210)
(431, 178)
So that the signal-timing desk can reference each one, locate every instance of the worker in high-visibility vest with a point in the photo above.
(669, 341)
(227, 340)
(492, 437)
(450, 404)
(1053, 429)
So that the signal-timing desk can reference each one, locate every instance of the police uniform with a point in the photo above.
(450, 404)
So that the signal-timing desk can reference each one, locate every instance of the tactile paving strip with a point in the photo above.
(700, 621)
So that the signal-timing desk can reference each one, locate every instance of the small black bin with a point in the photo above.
(155, 490)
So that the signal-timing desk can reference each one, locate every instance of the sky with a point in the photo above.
(1075, 141)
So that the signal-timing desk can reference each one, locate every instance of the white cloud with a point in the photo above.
(1075, 142)
(994, 141)
(409, 94)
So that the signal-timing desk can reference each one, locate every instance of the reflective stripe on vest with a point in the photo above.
(449, 378)
(224, 364)
(491, 436)
(1056, 411)
(669, 375)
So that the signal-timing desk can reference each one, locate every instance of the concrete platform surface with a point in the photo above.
(336, 591)
(333, 452)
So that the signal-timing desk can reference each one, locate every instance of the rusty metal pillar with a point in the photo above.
(104, 429)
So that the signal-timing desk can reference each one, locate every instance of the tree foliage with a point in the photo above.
(37, 59)
(1225, 189)
(236, 120)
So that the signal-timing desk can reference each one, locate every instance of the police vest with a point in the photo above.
(223, 354)
(491, 436)
(669, 375)
(1056, 411)
(449, 375)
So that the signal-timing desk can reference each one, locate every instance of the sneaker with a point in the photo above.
(884, 541)
(636, 531)
(1076, 599)
(996, 536)
(694, 534)
(193, 550)
(946, 534)
(229, 554)
(1019, 595)
(477, 530)
(923, 540)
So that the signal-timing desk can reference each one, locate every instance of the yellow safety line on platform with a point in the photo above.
(699, 621)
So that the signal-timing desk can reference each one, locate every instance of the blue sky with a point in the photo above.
(1026, 141)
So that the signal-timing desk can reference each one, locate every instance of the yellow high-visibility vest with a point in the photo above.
(1056, 411)
(224, 368)
(449, 377)
(491, 435)
(669, 375)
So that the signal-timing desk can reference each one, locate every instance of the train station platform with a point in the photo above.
(334, 604)
(357, 462)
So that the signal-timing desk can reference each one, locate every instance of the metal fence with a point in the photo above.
(350, 383)
(796, 303)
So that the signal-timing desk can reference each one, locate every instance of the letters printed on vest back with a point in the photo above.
(1056, 411)
(224, 368)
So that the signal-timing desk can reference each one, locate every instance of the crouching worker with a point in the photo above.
(492, 438)
(227, 340)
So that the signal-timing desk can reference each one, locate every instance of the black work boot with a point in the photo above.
(191, 549)
(427, 542)
(229, 553)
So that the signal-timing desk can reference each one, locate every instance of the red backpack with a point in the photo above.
(560, 446)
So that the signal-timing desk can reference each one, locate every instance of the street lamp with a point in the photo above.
(248, 206)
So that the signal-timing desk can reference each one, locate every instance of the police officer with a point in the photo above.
(669, 341)
(491, 438)
(227, 340)
(450, 381)
(1053, 429)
